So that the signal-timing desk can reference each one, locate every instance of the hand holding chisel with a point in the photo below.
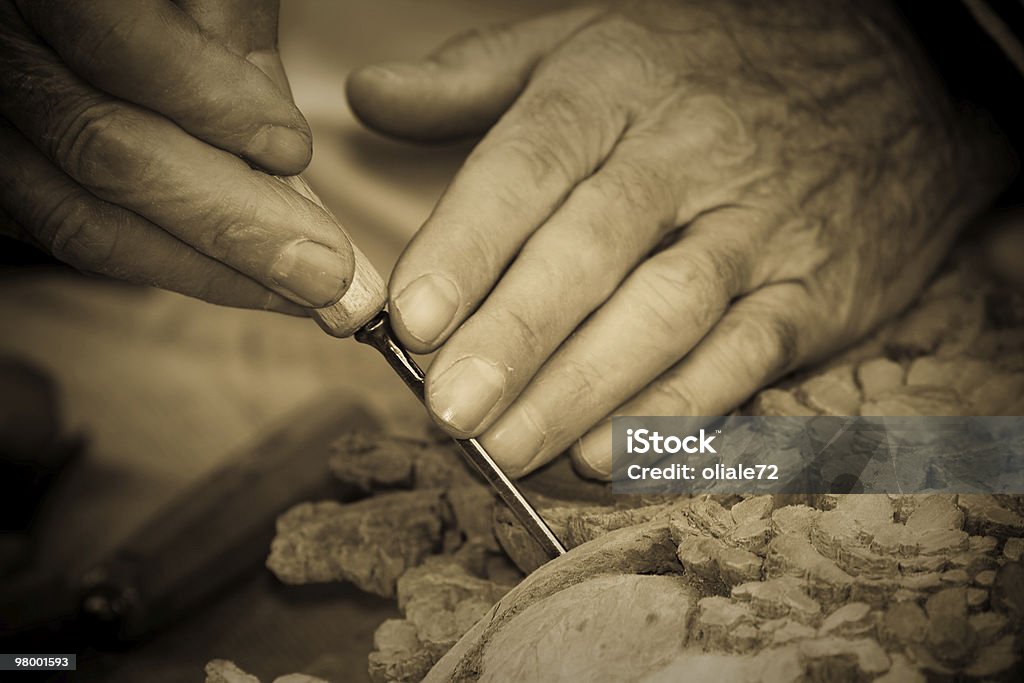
(360, 312)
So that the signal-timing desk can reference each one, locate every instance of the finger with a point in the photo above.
(152, 53)
(246, 27)
(97, 237)
(555, 135)
(463, 87)
(243, 26)
(564, 272)
(658, 314)
(207, 198)
(763, 336)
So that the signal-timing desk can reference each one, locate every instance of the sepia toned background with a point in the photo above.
(162, 390)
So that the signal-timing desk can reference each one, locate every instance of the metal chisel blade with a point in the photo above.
(378, 334)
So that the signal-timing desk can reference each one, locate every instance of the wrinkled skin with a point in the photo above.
(679, 202)
(122, 124)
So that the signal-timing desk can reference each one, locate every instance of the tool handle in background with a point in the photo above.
(220, 527)
(366, 295)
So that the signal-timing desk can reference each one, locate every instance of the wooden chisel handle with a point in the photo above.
(366, 295)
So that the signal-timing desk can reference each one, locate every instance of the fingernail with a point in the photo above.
(280, 147)
(427, 305)
(314, 274)
(515, 441)
(465, 393)
(594, 454)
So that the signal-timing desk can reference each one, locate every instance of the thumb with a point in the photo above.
(465, 85)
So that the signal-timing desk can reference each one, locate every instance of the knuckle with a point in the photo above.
(768, 341)
(521, 333)
(660, 292)
(635, 189)
(209, 282)
(578, 280)
(91, 143)
(531, 151)
(678, 295)
(550, 100)
(101, 43)
(225, 228)
(664, 315)
(728, 267)
(622, 47)
(673, 397)
(581, 376)
(559, 130)
(718, 271)
(476, 246)
(782, 349)
(79, 237)
(617, 218)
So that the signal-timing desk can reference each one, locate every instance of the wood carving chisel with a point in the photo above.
(360, 313)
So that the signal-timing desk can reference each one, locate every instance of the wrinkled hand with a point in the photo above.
(680, 202)
(122, 125)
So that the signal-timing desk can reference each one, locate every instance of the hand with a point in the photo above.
(680, 202)
(122, 124)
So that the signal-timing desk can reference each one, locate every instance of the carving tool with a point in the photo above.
(217, 529)
(213, 534)
(360, 313)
